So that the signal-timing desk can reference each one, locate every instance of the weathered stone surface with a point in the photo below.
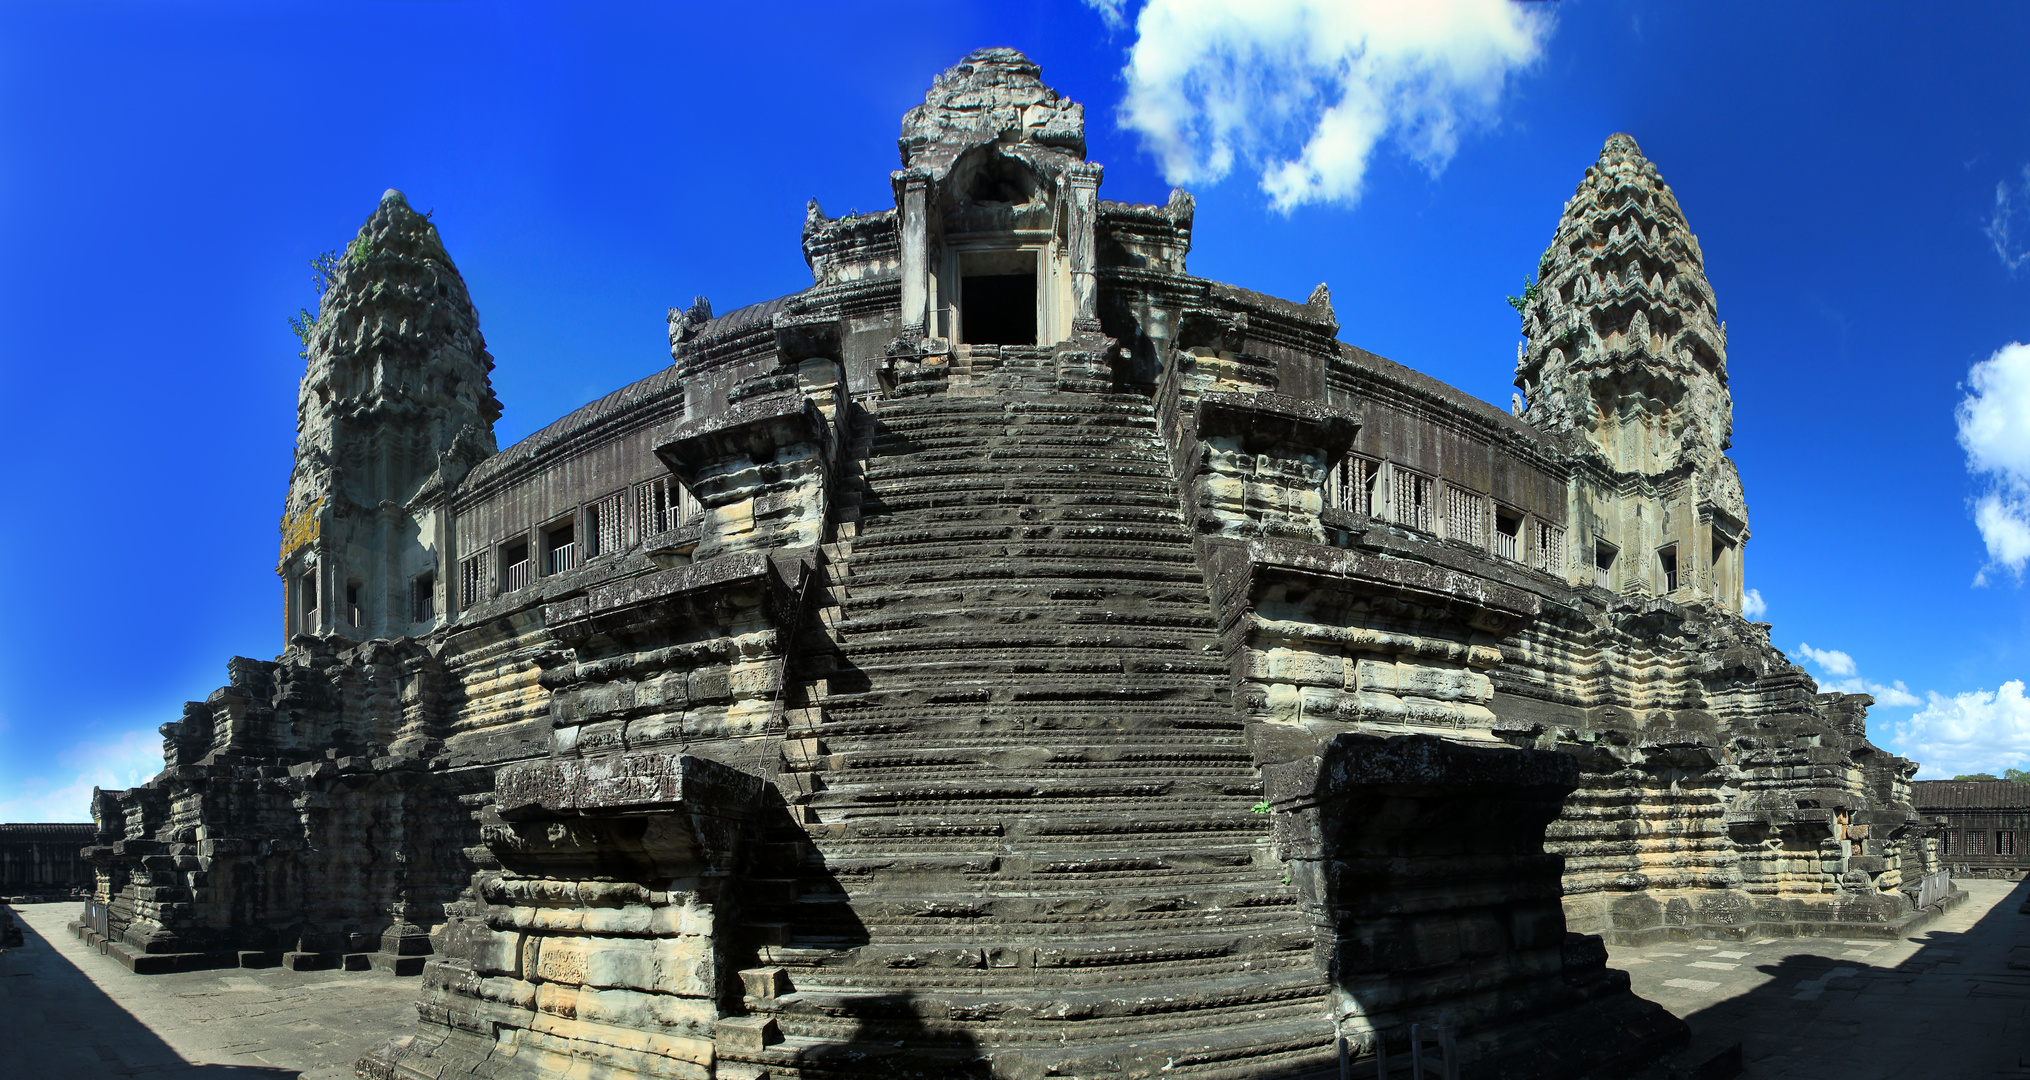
(1153, 685)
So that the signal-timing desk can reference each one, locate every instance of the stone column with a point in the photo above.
(393, 588)
(912, 204)
(1083, 181)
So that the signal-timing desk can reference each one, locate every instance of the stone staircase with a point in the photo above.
(1023, 795)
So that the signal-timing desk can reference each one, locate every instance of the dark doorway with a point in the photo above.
(998, 309)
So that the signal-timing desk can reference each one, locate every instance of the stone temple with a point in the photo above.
(1014, 656)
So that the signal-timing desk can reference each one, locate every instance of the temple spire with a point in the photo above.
(395, 401)
(1623, 351)
(1622, 337)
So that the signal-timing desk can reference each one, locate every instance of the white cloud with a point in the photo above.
(1752, 604)
(134, 758)
(1304, 90)
(1840, 674)
(1893, 696)
(1994, 430)
(1111, 12)
(1976, 731)
(2009, 228)
(1831, 661)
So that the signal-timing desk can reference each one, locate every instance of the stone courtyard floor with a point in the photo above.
(1944, 1002)
(1941, 1002)
(67, 1013)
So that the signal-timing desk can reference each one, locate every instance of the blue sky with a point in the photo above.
(1858, 176)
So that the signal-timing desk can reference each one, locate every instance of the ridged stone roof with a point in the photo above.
(53, 832)
(1929, 795)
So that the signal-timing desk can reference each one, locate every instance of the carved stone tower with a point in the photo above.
(395, 405)
(1624, 353)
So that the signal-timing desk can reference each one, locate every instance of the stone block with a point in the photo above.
(765, 982)
(1436, 939)
(397, 964)
(1481, 934)
(630, 919)
(1443, 683)
(709, 684)
(681, 920)
(746, 1034)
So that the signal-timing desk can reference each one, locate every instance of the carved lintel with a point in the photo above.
(1212, 328)
(806, 337)
(753, 429)
(670, 813)
(1246, 567)
(1268, 422)
(691, 591)
(623, 784)
(1353, 763)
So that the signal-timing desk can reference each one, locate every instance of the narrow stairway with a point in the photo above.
(1029, 799)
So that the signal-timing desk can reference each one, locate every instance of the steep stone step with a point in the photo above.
(1026, 794)
(1183, 625)
(1079, 562)
(1113, 1016)
(890, 711)
(1003, 521)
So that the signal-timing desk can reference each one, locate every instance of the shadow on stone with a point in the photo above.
(1944, 1011)
(61, 1026)
(794, 905)
(1427, 856)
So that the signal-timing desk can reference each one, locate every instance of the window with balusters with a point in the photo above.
(1465, 516)
(1411, 498)
(606, 525)
(471, 581)
(515, 570)
(1506, 541)
(560, 547)
(662, 504)
(1550, 553)
(1351, 485)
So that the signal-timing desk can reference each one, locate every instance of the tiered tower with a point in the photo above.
(1624, 351)
(395, 405)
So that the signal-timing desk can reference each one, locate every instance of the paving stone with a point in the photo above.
(1897, 1013)
(73, 1014)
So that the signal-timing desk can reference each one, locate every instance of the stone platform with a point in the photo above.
(1945, 1002)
